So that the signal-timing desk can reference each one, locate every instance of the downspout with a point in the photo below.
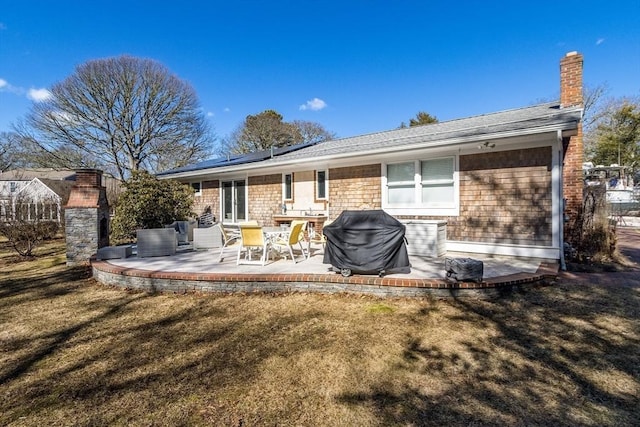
(563, 265)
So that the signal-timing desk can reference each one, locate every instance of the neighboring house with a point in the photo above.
(39, 193)
(504, 183)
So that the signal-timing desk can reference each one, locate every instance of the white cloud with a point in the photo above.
(210, 114)
(38, 95)
(227, 109)
(599, 41)
(5, 86)
(315, 104)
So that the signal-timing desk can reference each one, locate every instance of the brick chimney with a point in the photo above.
(86, 217)
(571, 80)
(571, 96)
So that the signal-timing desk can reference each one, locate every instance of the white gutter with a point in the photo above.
(370, 153)
(560, 201)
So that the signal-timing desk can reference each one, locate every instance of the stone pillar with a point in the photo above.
(86, 217)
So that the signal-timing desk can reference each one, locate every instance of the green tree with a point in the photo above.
(268, 129)
(124, 114)
(421, 118)
(615, 138)
(148, 202)
(261, 132)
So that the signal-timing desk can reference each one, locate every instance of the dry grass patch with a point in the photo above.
(75, 352)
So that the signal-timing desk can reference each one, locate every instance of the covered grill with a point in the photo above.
(366, 242)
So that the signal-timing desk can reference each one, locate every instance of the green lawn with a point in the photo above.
(73, 352)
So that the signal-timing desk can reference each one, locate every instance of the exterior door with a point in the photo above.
(234, 201)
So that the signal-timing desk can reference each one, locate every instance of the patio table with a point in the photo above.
(273, 233)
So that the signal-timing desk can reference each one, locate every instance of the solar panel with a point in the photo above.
(239, 159)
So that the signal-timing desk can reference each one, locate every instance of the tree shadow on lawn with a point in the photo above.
(113, 357)
(562, 355)
(34, 285)
(119, 349)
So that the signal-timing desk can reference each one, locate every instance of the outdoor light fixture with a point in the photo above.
(486, 144)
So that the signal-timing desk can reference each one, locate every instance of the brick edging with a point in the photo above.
(129, 278)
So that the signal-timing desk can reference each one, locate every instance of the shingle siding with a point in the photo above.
(209, 200)
(505, 197)
(265, 198)
(354, 188)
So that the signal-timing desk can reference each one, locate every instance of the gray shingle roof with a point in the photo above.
(527, 120)
(29, 174)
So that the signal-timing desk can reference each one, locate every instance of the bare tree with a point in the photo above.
(123, 114)
(10, 151)
(594, 97)
(312, 131)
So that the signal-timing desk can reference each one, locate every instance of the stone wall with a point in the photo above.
(179, 282)
(82, 234)
(86, 217)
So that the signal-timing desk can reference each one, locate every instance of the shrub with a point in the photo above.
(148, 202)
(24, 236)
(594, 236)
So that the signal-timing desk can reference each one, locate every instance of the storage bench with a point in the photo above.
(426, 237)
(114, 252)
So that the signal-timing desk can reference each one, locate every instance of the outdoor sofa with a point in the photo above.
(156, 242)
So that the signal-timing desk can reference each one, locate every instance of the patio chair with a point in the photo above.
(252, 240)
(304, 236)
(156, 242)
(206, 220)
(207, 238)
(296, 236)
(320, 237)
(182, 230)
(227, 239)
(304, 226)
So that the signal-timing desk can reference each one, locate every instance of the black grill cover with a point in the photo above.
(367, 242)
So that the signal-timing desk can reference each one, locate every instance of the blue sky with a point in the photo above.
(354, 66)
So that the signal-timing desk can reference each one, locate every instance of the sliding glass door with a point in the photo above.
(234, 201)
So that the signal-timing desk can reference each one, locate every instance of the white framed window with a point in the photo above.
(321, 185)
(287, 186)
(437, 181)
(197, 188)
(401, 178)
(421, 187)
